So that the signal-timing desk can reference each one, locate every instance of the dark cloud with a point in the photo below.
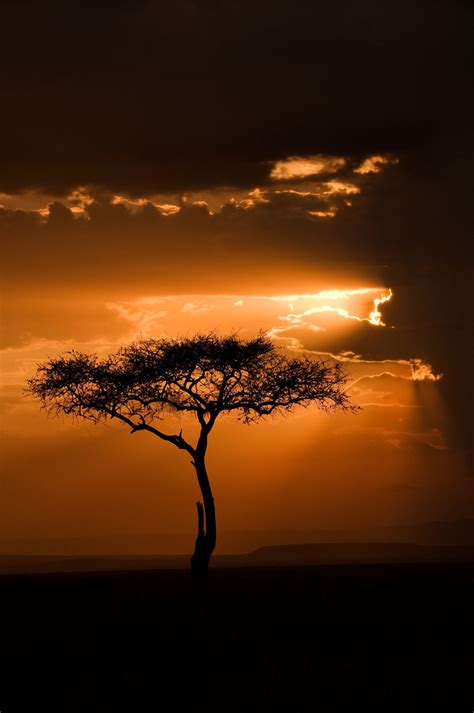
(149, 96)
(409, 228)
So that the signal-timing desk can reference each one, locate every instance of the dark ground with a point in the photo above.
(350, 639)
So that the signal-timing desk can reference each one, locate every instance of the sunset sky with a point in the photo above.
(298, 168)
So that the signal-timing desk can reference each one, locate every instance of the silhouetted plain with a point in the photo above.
(334, 639)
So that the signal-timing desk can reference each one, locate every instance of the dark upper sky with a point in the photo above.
(149, 96)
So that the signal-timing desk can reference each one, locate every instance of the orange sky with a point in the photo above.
(385, 465)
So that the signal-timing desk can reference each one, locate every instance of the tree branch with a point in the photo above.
(176, 440)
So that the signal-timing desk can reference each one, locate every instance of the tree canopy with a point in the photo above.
(206, 375)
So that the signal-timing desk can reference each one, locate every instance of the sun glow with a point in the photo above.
(375, 317)
(320, 323)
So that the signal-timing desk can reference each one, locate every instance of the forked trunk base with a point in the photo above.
(203, 547)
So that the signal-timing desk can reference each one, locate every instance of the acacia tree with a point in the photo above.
(205, 376)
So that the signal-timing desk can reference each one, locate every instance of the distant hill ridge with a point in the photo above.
(449, 533)
(312, 554)
(355, 552)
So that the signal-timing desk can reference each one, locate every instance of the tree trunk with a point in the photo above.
(206, 537)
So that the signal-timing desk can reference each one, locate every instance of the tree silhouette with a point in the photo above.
(205, 375)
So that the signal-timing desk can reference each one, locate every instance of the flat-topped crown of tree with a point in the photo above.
(205, 375)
